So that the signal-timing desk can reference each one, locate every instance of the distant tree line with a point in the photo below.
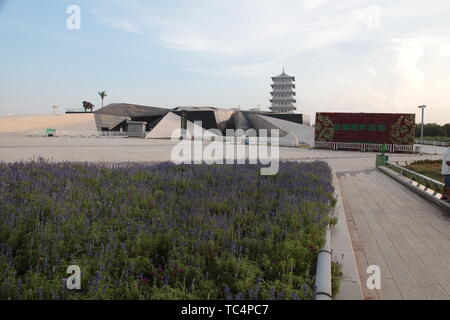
(434, 130)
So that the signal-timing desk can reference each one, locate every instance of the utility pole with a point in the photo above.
(421, 131)
(183, 124)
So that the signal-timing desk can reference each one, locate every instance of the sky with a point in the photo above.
(346, 55)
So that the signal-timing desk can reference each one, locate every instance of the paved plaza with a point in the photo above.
(397, 230)
(105, 149)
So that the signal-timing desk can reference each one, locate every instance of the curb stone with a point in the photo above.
(342, 252)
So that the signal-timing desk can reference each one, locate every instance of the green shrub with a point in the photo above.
(162, 231)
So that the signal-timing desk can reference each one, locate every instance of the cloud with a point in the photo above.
(310, 5)
(258, 35)
(410, 50)
(370, 15)
(117, 23)
(266, 26)
(363, 55)
(244, 70)
(398, 75)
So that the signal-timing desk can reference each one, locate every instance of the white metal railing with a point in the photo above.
(433, 143)
(403, 148)
(114, 133)
(349, 145)
(78, 111)
(373, 146)
(324, 145)
(363, 146)
(420, 179)
(78, 133)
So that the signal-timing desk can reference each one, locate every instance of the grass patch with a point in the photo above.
(162, 231)
(438, 138)
(429, 168)
(336, 276)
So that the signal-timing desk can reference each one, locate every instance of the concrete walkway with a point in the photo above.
(395, 229)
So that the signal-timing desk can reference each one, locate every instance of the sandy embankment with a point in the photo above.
(33, 123)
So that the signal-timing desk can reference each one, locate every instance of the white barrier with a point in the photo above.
(363, 146)
(78, 134)
(432, 143)
(324, 145)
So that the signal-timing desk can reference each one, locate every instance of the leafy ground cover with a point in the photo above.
(437, 138)
(162, 231)
(429, 168)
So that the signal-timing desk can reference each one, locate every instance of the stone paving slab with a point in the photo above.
(399, 231)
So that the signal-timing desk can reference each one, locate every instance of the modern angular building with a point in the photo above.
(124, 119)
(160, 123)
(283, 93)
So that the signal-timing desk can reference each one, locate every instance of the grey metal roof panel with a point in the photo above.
(131, 110)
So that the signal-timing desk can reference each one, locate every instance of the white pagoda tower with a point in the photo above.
(283, 93)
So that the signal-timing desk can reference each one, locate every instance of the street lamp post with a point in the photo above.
(421, 130)
(183, 125)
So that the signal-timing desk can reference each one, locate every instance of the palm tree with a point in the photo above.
(102, 94)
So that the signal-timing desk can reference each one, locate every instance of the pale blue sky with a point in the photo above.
(347, 55)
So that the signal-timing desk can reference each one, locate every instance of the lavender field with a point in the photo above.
(162, 231)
